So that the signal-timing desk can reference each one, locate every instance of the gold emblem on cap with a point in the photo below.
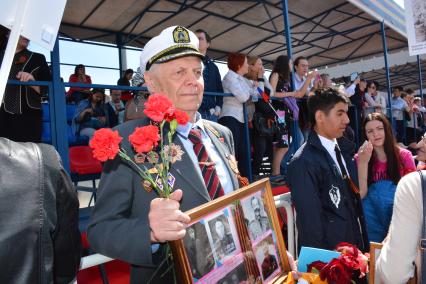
(181, 35)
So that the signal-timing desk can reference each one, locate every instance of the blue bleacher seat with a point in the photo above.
(46, 136)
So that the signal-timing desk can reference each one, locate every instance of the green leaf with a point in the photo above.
(173, 125)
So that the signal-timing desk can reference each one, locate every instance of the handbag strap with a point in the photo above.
(423, 239)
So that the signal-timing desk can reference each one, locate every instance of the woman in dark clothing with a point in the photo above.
(263, 110)
(356, 111)
(125, 81)
(20, 112)
(280, 82)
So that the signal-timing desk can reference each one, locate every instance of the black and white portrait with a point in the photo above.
(255, 215)
(236, 276)
(198, 250)
(419, 17)
(223, 242)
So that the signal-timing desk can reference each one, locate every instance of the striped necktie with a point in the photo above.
(211, 179)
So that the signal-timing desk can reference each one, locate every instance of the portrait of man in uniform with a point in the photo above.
(255, 215)
(198, 250)
(223, 242)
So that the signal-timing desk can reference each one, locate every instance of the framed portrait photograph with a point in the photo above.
(235, 238)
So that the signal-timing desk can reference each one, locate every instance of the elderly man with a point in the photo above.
(402, 246)
(133, 225)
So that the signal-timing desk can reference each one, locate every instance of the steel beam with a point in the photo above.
(385, 56)
(57, 109)
(419, 67)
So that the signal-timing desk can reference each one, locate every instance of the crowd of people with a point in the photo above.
(341, 192)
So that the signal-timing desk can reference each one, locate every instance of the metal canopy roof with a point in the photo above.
(403, 75)
(327, 32)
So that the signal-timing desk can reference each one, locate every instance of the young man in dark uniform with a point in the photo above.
(327, 201)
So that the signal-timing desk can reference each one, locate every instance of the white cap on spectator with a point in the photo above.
(171, 43)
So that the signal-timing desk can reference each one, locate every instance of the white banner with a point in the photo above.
(36, 20)
(415, 20)
(41, 20)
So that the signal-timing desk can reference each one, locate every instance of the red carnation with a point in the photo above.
(157, 107)
(181, 117)
(105, 144)
(143, 139)
(336, 272)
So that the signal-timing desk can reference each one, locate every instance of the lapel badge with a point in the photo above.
(159, 182)
(334, 194)
(221, 139)
(140, 158)
(146, 185)
(170, 180)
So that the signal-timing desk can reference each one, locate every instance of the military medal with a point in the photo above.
(159, 182)
(170, 180)
(146, 185)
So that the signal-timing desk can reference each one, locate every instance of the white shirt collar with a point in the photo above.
(328, 144)
(297, 77)
(183, 130)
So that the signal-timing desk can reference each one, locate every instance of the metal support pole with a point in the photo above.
(121, 54)
(419, 67)
(248, 144)
(295, 127)
(388, 83)
(57, 107)
(288, 35)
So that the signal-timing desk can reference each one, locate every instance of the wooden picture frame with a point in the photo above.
(237, 235)
(375, 249)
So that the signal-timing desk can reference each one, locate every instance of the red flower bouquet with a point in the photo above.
(148, 144)
(351, 264)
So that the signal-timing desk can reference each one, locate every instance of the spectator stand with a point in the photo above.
(318, 46)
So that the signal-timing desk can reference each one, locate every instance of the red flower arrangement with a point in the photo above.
(148, 144)
(350, 264)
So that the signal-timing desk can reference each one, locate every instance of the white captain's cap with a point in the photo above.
(171, 43)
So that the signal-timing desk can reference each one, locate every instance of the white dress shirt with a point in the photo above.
(375, 101)
(329, 145)
(221, 169)
(298, 81)
(242, 91)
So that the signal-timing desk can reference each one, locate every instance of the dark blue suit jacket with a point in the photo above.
(328, 212)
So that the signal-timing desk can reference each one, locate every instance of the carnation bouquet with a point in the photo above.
(151, 143)
(350, 266)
